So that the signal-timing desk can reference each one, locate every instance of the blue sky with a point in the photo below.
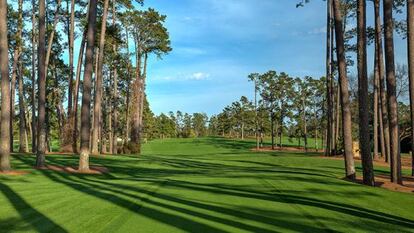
(217, 43)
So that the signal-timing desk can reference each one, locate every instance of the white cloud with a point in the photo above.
(199, 76)
(196, 76)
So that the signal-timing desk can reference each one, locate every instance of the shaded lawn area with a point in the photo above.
(199, 185)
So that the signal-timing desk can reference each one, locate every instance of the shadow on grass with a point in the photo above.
(185, 214)
(29, 215)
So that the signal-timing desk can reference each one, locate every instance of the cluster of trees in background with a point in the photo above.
(383, 131)
(37, 62)
(175, 125)
(287, 106)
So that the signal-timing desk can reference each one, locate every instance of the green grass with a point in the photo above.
(290, 142)
(200, 185)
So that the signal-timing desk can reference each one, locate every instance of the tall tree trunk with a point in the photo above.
(135, 143)
(97, 107)
(396, 176)
(33, 99)
(364, 137)
(343, 82)
(379, 85)
(142, 97)
(71, 39)
(87, 83)
(115, 91)
(410, 39)
(5, 91)
(381, 69)
(375, 107)
(74, 124)
(127, 99)
(41, 127)
(329, 79)
(22, 118)
(16, 59)
(305, 127)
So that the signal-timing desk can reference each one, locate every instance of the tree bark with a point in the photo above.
(343, 82)
(76, 94)
(22, 118)
(381, 69)
(5, 91)
(135, 143)
(87, 83)
(395, 156)
(328, 151)
(410, 40)
(41, 127)
(115, 100)
(71, 40)
(33, 99)
(51, 36)
(97, 107)
(375, 107)
(364, 137)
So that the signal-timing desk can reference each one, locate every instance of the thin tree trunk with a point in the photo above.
(273, 129)
(76, 94)
(305, 128)
(115, 100)
(97, 107)
(410, 39)
(71, 40)
(51, 36)
(364, 137)
(87, 83)
(5, 91)
(329, 78)
(16, 56)
(110, 134)
(375, 106)
(41, 127)
(343, 82)
(383, 94)
(33, 99)
(22, 118)
(396, 176)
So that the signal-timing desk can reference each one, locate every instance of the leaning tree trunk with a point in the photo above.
(410, 39)
(364, 137)
(41, 127)
(5, 91)
(97, 107)
(396, 176)
(87, 83)
(52, 36)
(381, 68)
(74, 123)
(343, 82)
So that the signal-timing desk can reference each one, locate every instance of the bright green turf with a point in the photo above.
(200, 185)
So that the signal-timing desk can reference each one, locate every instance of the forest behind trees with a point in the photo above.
(91, 99)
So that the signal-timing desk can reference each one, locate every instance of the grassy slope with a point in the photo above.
(200, 185)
